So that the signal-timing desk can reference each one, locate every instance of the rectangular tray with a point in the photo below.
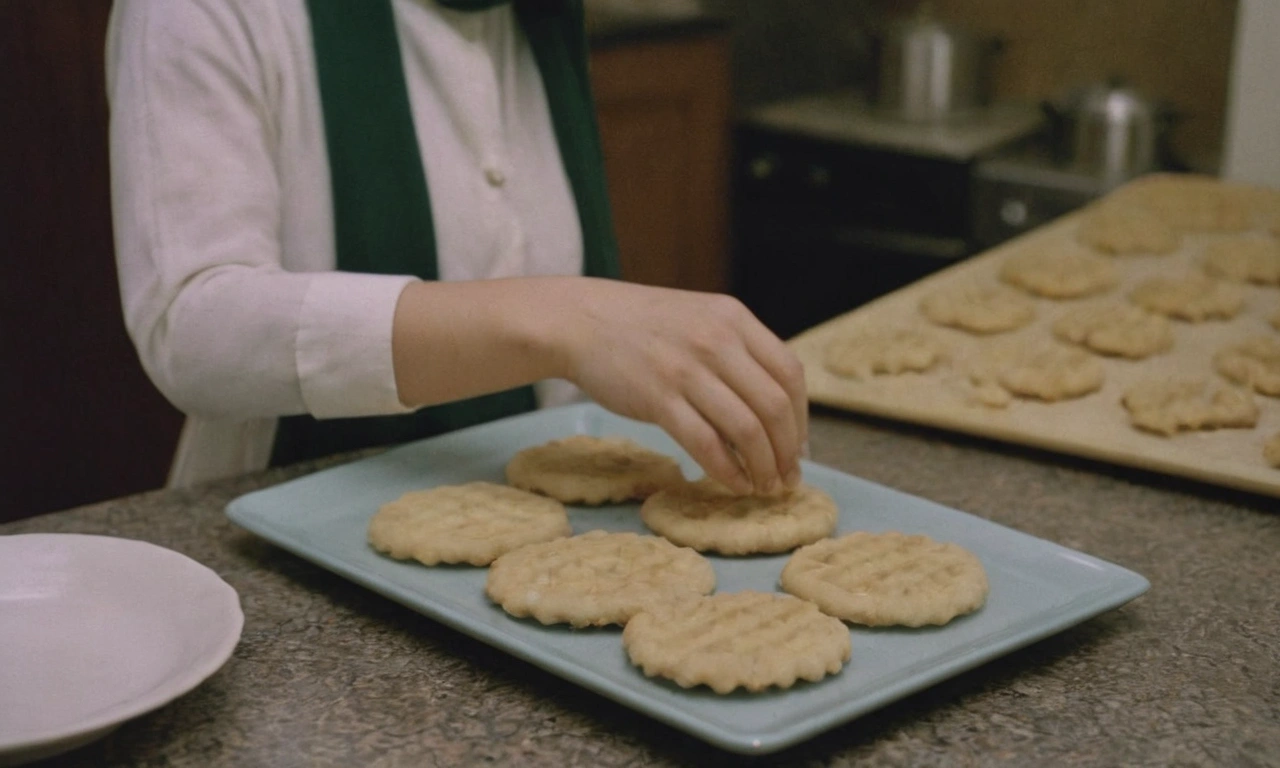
(1037, 587)
(1095, 426)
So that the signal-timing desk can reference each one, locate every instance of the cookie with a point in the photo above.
(1168, 406)
(473, 523)
(592, 470)
(886, 579)
(1244, 260)
(1060, 272)
(749, 640)
(1254, 362)
(1271, 451)
(1192, 203)
(978, 309)
(596, 579)
(708, 517)
(880, 352)
(1194, 298)
(1051, 372)
(1116, 329)
(1119, 230)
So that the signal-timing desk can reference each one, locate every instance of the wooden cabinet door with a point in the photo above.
(663, 107)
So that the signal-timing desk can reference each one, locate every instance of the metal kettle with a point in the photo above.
(1110, 131)
(929, 71)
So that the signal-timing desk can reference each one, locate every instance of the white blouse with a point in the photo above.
(223, 219)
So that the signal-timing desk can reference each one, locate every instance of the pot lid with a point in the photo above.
(1115, 101)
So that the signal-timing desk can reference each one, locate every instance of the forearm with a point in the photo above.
(461, 339)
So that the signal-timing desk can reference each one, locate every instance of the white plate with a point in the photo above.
(96, 630)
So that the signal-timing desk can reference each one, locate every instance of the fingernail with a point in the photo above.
(742, 486)
(771, 487)
(792, 478)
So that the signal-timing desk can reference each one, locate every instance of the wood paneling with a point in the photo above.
(663, 108)
(80, 421)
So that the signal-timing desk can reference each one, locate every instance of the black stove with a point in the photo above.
(836, 205)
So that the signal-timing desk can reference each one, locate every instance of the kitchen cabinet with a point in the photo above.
(663, 103)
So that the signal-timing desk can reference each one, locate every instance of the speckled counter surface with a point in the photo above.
(328, 674)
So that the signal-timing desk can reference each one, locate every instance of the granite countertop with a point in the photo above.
(328, 674)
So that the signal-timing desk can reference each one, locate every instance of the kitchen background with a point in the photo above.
(694, 168)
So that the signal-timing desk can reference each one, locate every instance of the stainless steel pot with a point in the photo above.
(1110, 131)
(929, 71)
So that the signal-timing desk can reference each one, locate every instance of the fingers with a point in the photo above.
(696, 435)
(739, 425)
(758, 417)
(785, 368)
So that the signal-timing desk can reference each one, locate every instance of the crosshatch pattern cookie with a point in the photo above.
(1168, 406)
(1051, 372)
(1255, 363)
(1118, 230)
(1195, 298)
(592, 470)
(473, 523)
(978, 309)
(1116, 329)
(750, 640)
(885, 579)
(1244, 259)
(1062, 272)
(708, 517)
(874, 352)
(597, 578)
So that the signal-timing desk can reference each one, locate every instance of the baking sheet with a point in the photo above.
(1095, 426)
(1037, 587)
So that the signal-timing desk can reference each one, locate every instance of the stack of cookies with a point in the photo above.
(660, 587)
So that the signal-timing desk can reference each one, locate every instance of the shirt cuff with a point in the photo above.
(344, 358)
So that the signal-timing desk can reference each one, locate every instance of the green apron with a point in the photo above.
(381, 207)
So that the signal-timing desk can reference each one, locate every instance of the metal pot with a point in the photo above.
(928, 71)
(1110, 131)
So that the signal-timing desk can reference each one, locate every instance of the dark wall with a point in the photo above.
(79, 421)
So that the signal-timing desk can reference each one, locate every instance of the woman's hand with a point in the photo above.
(699, 365)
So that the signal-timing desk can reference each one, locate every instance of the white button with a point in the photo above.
(495, 177)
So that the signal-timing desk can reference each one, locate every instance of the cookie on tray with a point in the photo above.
(1116, 329)
(1120, 230)
(1271, 450)
(748, 640)
(583, 469)
(1050, 372)
(1062, 271)
(1194, 298)
(1254, 362)
(596, 578)
(1192, 203)
(1169, 406)
(710, 518)
(887, 579)
(1249, 259)
(473, 523)
(868, 353)
(978, 309)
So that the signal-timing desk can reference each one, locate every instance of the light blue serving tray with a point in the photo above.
(1037, 588)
